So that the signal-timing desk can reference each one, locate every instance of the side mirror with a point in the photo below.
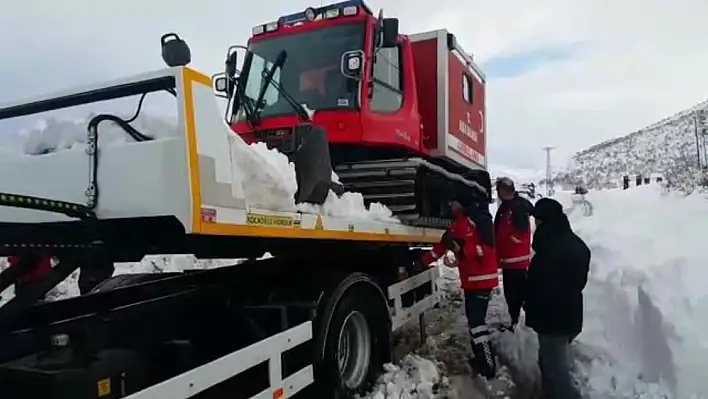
(231, 62)
(352, 64)
(389, 32)
(220, 83)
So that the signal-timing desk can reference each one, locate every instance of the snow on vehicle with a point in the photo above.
(314, 320)
(404, 115)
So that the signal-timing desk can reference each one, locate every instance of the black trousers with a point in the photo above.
(514, 282)
(554, 362)
(484, 360)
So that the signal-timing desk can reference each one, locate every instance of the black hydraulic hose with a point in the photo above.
(124, 124)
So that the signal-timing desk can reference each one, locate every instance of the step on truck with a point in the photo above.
(315, 320)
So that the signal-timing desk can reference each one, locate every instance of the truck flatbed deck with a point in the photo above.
(186, 182)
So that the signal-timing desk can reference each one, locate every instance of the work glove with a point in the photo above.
(450, 262)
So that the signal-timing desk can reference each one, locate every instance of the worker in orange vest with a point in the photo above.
(512, 236)
(470, 238)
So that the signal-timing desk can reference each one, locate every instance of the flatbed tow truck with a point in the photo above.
(316, 320)
(331, 295)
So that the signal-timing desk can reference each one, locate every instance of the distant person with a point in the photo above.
(512, 233)
(532, 190)
(470, 238)
(553, 300)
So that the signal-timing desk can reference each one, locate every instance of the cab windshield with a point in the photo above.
(311, 72)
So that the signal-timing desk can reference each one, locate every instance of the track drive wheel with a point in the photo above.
(357, 343)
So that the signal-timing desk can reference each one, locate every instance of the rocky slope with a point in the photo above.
(666, 148)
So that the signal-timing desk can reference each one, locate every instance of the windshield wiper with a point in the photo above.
(268, 80)
(249, 108)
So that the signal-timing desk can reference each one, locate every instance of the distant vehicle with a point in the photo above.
(529, 189)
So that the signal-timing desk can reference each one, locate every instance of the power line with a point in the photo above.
(549, 179)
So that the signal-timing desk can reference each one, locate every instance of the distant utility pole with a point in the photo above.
(549, 177)
(701, 130)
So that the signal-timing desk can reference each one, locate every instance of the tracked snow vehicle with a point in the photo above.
(314, 321)
(404, 115)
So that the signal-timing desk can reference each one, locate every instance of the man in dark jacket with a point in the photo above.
(512, 236)
(553, 298)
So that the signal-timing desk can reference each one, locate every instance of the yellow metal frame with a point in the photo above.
(190, 76)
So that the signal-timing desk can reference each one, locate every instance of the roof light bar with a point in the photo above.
(346, 8)
(269, 27)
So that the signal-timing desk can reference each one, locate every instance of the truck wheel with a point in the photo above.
(357, 343)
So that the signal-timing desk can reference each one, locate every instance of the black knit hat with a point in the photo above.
(548, 209)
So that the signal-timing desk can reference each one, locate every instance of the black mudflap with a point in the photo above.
(313, 167)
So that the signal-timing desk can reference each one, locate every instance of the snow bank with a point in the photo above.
(646, 305)
(270, 175)
(646, 300)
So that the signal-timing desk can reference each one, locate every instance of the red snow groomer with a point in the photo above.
(400, 118)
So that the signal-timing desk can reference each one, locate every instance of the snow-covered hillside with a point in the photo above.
(667, 147)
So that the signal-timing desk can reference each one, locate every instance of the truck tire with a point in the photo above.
(356, 342)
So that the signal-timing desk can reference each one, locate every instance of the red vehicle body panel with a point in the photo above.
(466, 119)
(453, 128)
(434, 119)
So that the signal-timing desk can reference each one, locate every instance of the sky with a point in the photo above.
(561, 73)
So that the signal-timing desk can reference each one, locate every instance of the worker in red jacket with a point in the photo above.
(470, 238)
(36, 268)
(512, 237)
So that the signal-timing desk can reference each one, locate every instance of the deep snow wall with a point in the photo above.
(646, 302)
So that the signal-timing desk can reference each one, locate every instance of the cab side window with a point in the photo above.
(387, 87)
(467, 88)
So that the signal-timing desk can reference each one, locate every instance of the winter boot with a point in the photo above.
(484, 360)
